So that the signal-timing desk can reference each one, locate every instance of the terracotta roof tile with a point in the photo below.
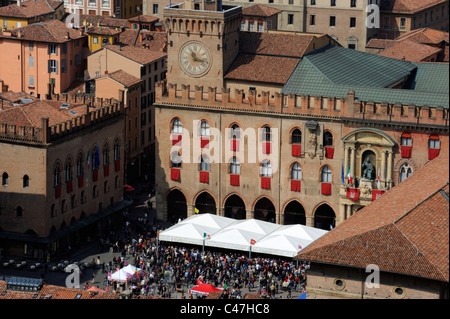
(29, 9)
(139, 55)
(104, 31)
(408, 6)
(396, 232)
(426, 36)
(144, 19)
(380, 43)
(30, 114)
(274, 43)
(259, 10)
(52, 31)
(262, 68)
(152, 40)
(123, 78)
(54, 292)
(409, 50)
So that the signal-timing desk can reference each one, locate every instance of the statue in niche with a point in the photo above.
(312, 144)
(368, 170)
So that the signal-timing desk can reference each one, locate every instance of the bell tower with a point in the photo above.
(203, 41)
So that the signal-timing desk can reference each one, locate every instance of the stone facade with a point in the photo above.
(317, 118)
(61, 189)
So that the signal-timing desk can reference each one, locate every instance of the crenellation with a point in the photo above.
(317, 106)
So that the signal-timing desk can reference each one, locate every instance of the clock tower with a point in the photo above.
(203, 41)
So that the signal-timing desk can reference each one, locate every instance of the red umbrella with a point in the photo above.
(204, 289)
(128, 188)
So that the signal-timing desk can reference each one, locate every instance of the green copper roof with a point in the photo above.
(334, 71)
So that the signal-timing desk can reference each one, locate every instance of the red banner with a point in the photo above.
(106, 170)
(234, 180)
(176, 139)
(353, 194)
(406, 151)
(433, 153)
(117, 165)
(265, 182)
(58, 191)
(376, 193)
(204, 177)
(175, 174)
(235, 145)
(326, 188)
(266, 147)
(80, 181)
(69, 186)
(95, 175)
(296, 150)
(204, 142)
(295, 185)
(329, 152)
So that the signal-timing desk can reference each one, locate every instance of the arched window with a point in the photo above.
(235, 166)
(80, 164)
(434, 145)
(404, 172)
(266, 134)
(266, 169)
(57, 175)
(204, 129)
(116, 151)
(26, 181)
(406, 139)
(175, 160)
(5, 179)
(296, 136)
(105, 154)
(327, 139)
(177, 126)
(326, 174)
(243, 25)
(204, 163)
(68, 171)
(235, 132)
(296, 171)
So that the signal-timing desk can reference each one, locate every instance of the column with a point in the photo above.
(349, 211)
(249, 214)
(190, 210)
(280, 218)
(389, 169)
(220, 211)
(310, 221)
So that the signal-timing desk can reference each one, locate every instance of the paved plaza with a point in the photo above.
(88, 255)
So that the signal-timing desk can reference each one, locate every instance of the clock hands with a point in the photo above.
(196, 59)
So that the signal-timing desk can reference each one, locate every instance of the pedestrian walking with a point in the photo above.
(93, 277)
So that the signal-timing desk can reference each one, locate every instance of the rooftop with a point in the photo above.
(122, 77)
(259, 10)
(139, 55)
(410, 50)
(31, 114)
(334, 71)
(408, 6)
(144, 19)
(52, 31)
(30, 9)
(398, 233)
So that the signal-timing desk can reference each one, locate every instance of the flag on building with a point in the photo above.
(349, 176)
(379, 178)
(97, 158)
(342, 174)
(353, 194)
(196, 210)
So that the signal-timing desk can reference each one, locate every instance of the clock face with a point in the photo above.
(195, 59)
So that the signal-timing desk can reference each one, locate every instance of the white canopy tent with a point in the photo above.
(186, 233)
(222, 232)
(132, 270)
(120, 275)
(240, 234)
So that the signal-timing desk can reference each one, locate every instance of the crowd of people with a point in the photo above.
(169, 271)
